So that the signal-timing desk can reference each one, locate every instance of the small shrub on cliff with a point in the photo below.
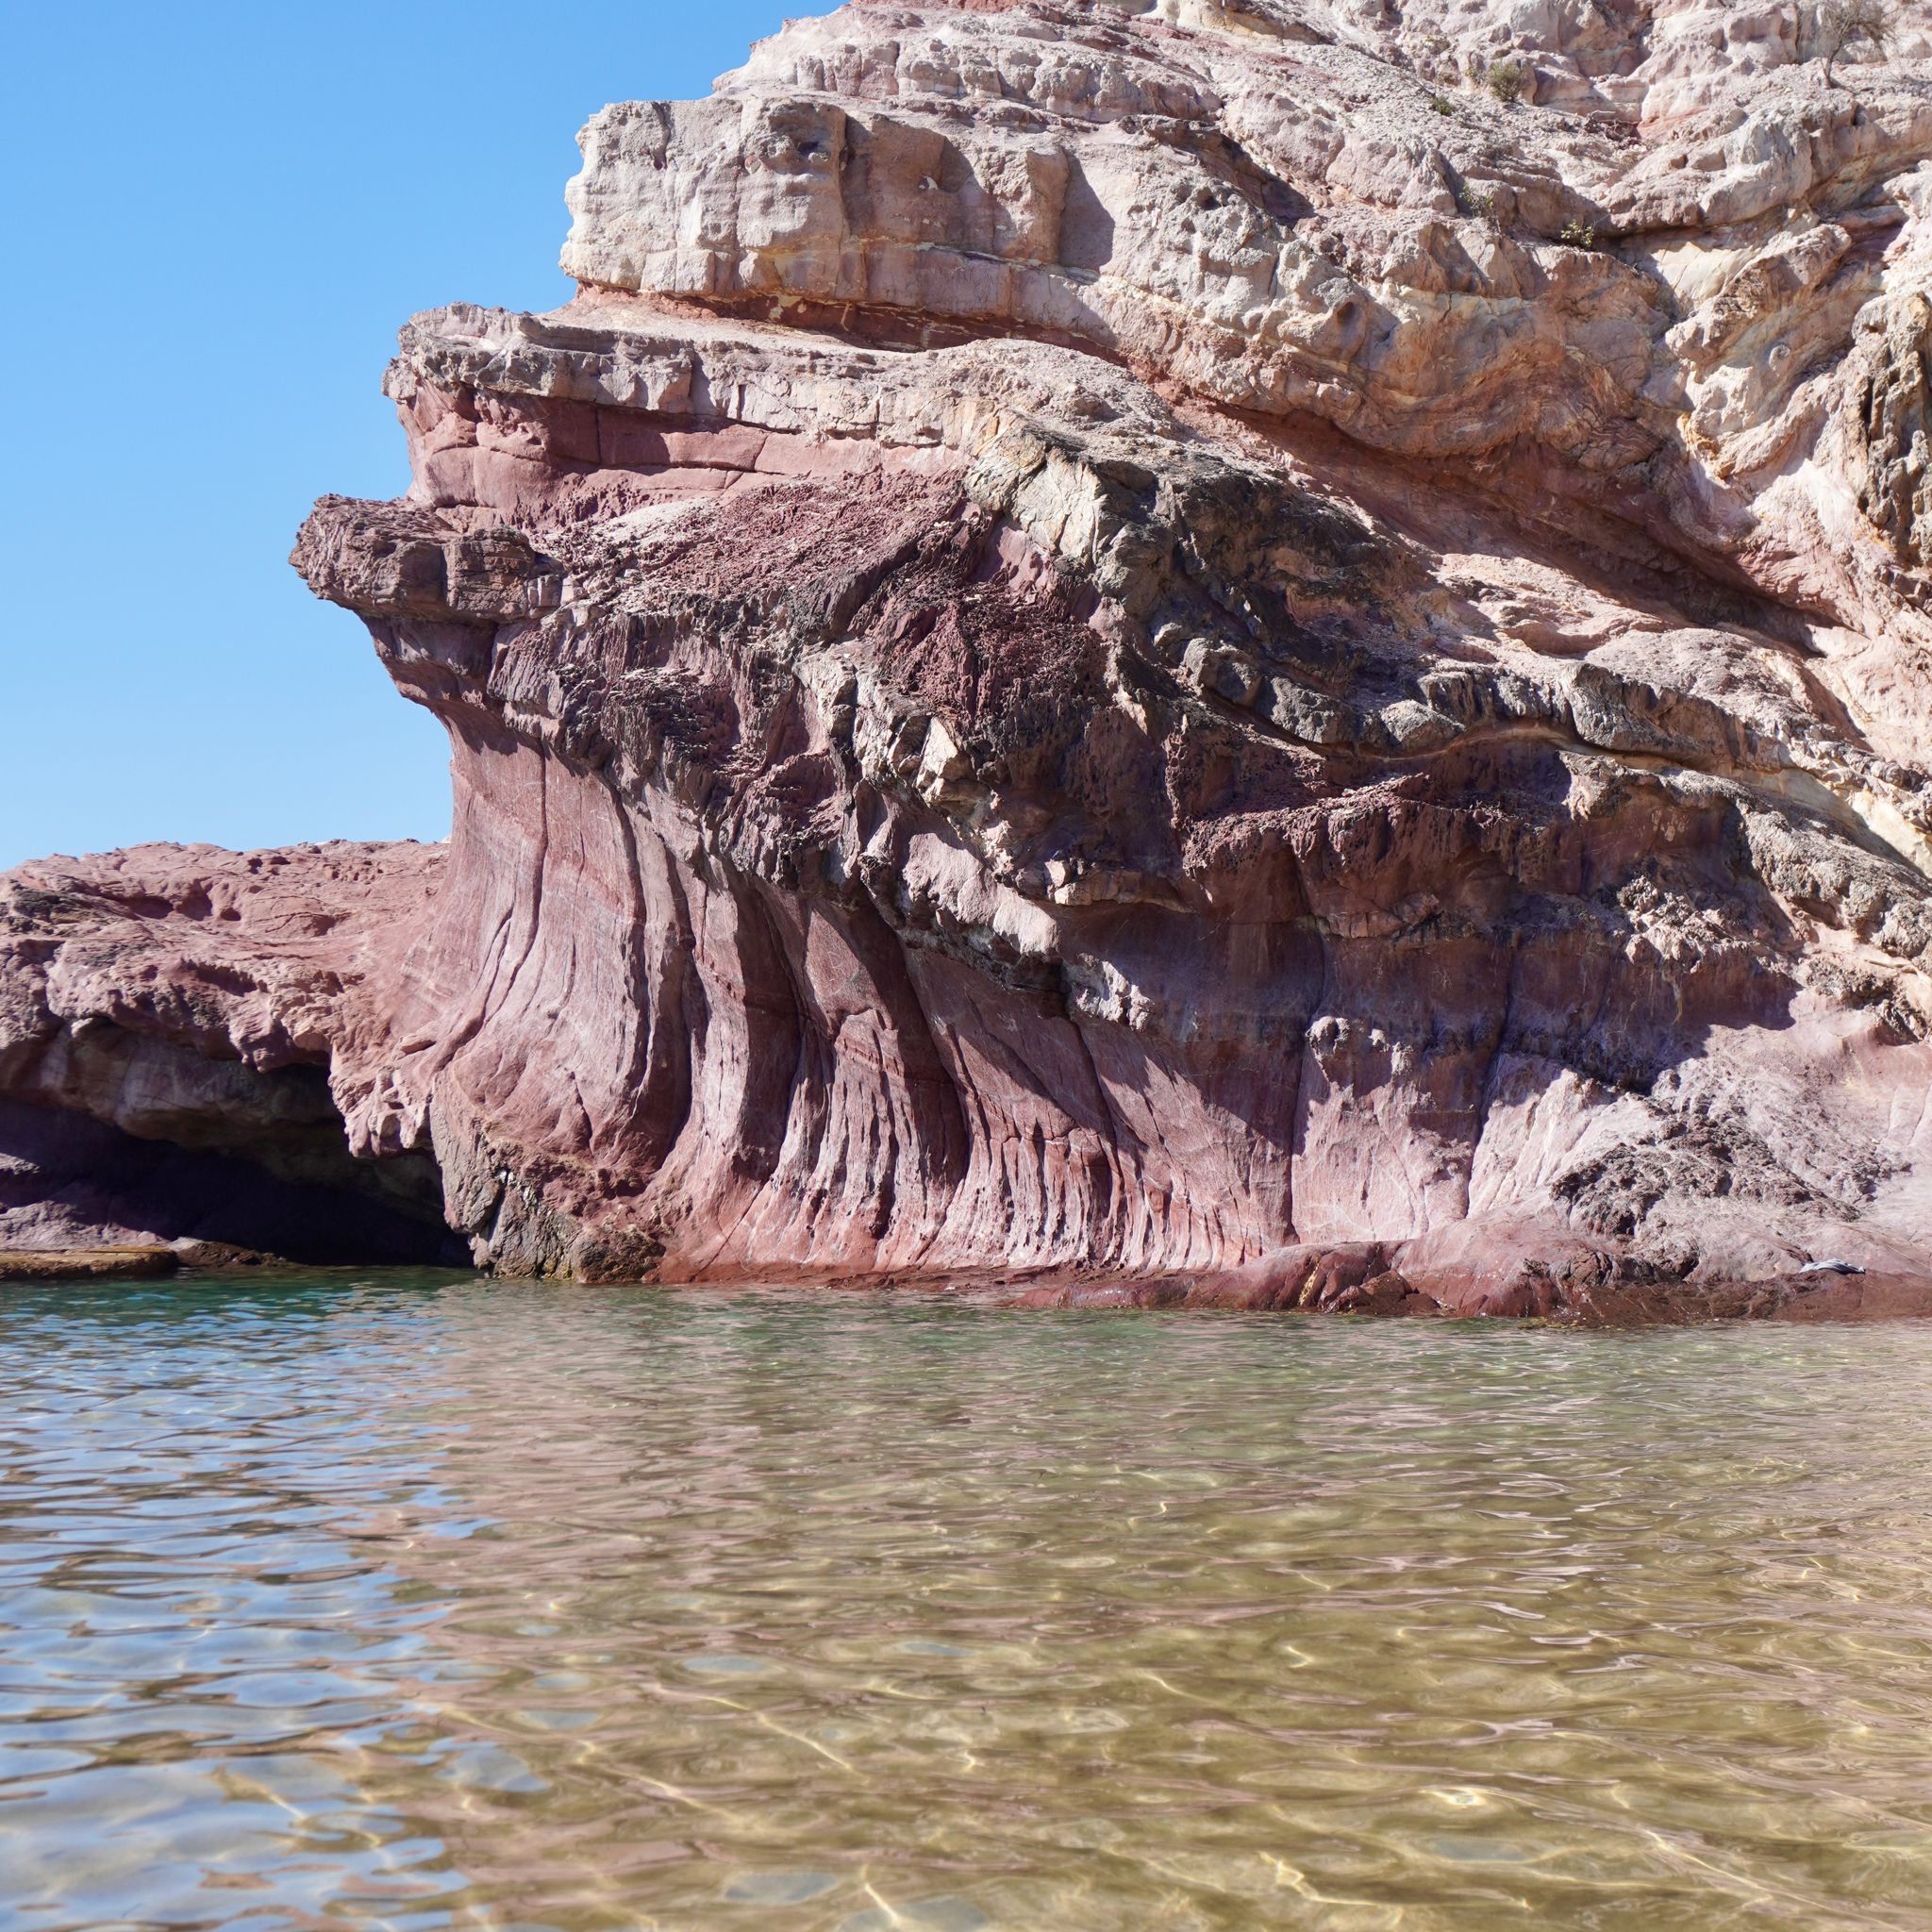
(1846, 23)
(1504, 78)
(1577, 235)
(1440, 105)
(1480, 203)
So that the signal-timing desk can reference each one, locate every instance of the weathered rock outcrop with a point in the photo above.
(177, 1026)
(1195, 638)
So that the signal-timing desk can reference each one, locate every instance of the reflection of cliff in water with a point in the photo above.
(599, 1606)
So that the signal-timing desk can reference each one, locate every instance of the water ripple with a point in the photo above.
(428, 1603)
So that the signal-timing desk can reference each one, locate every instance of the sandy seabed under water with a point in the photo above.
(417, 1601)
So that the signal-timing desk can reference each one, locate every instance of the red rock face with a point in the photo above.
(170, 1020)
(1084, 654)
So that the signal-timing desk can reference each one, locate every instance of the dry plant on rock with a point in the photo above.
(1844, 25)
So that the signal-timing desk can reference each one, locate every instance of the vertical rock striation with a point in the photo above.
(1172, 637)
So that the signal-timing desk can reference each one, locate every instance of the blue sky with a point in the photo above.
(215, 218)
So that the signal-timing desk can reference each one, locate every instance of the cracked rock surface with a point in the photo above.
(1185, 641)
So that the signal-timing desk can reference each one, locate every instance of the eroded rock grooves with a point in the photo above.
(1161, 642)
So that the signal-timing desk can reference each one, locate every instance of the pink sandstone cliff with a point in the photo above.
(1136, 638)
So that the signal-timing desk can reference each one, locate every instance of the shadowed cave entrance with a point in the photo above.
(272, 1173)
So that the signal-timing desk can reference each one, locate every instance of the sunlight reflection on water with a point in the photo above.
(421, 1602)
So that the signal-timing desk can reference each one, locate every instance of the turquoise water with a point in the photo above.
(427, 1602)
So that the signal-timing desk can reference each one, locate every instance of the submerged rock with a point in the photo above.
(86, 1264)
(1164, 640)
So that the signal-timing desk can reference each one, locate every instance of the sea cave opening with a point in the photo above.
(174, 1148)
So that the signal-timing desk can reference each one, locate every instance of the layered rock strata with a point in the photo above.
(1189, 640)
(175, 1026)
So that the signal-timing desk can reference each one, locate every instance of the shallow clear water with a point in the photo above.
(423, 1603)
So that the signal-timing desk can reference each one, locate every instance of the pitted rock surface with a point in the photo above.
(1267, 645)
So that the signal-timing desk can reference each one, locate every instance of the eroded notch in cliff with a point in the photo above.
(180, 1149)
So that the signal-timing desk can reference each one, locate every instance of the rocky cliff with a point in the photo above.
(1167, 638)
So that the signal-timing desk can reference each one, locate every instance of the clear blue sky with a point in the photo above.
(214, 219)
